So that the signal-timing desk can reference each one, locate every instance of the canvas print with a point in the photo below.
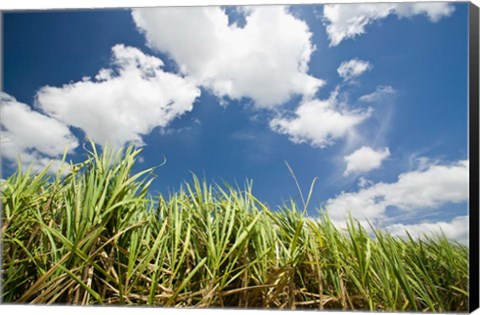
(294, 157)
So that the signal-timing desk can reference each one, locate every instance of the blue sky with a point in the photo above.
(369, 98)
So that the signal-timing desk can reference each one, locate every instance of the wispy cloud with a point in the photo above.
(172, 131)
(124, 101)
(345, 21)
(380, 92)
(349, 70)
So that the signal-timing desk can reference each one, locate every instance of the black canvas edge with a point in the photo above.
(474, 131)
(1, 170)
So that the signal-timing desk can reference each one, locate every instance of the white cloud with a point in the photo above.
(345, 21)
(364, 160)
(171, 131)
(266, 60)
(36, 138)
(320, 122)
(123, 102)
(379, 93)
(351, 69)
(419, 162)
(413, 191)
(435, 11)
(363, 182)
(456, 230)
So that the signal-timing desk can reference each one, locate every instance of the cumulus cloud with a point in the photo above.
(364, 160)
(122, 102)
(352, 69)
(36, 138)
(413, 191)
(320, 122)
(378, 94)
(266, 60)
(345, 21)
(456, 230)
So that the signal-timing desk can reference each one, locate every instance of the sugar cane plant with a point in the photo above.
(97, 236)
